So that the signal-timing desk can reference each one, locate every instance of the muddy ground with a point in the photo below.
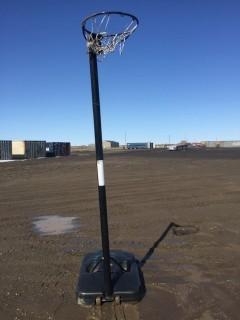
(187, 277)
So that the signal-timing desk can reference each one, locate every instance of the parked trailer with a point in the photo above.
(5, 150)
(54, 149)
(178, 147)
(140, 145)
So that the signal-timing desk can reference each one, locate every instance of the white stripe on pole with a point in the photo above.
(100, 170)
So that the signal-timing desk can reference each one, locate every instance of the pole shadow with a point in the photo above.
(177, 230)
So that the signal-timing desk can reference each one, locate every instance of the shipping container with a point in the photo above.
(54, 149)
(28, 149)
(5, 150)
(35, 149)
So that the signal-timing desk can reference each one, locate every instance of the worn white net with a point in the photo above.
(105, 32)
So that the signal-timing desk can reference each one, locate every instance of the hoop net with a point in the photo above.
(103, 31)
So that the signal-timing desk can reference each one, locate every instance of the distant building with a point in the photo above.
(222, 144)
(91, 146)
(108, 144)
(139, 145)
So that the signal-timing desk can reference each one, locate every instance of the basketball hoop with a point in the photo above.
(103, 31)
(107, 275)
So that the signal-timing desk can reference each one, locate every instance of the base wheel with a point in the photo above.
(98, 301)
(80, 301)
(83, 303)
(117, 300)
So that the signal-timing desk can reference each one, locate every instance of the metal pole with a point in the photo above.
(100, 171)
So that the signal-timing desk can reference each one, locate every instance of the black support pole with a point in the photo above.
(100, 169)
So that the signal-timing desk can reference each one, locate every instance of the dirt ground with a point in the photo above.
(187, 277)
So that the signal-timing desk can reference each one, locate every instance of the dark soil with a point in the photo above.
(192, 276)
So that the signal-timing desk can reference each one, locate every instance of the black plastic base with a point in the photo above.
(127, 279)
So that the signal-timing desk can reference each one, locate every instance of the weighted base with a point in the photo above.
(126, 275)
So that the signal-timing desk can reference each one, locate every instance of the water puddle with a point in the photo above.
(54, 225)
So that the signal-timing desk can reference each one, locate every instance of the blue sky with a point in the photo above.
(179, 74)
